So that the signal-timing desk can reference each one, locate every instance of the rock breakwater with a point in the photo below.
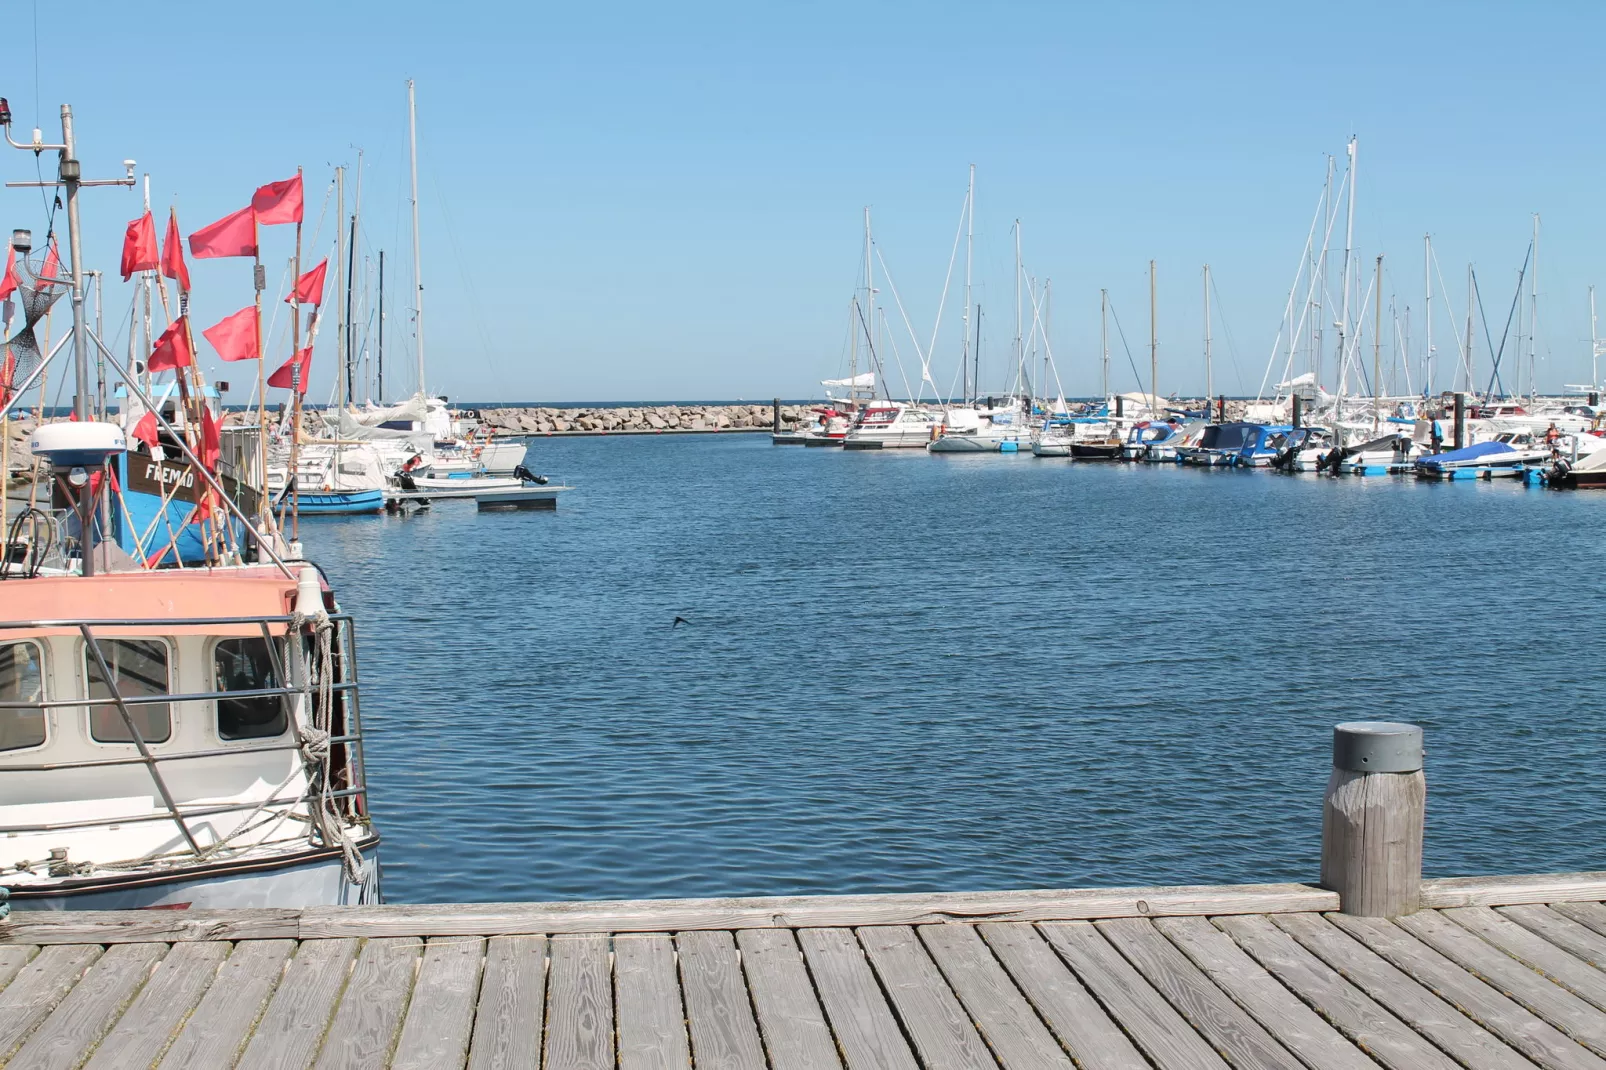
(638, 419)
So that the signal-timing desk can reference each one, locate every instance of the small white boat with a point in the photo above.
(893, 425)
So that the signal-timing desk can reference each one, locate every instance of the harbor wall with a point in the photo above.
(638, 419)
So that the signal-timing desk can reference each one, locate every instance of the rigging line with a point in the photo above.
(907, 326)
(875, 358)
(1516, 302)
(942, 302)
(1299, 273)
(462, 272)
(1456, 334)
(1129, 360)
(1232, 346)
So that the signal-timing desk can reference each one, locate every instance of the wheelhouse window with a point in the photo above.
(22, 679)
(247, 665)
(140, 668)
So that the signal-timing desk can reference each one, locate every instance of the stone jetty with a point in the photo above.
(638, 419)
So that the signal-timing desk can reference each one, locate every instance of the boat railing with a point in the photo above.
(333, 781)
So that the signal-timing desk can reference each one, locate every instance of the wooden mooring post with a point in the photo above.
(1372, 819)
(775, 417)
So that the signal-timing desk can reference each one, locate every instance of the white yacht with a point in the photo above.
(998, 428)
(889, 425)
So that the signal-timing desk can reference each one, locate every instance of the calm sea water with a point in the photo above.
(905, 672)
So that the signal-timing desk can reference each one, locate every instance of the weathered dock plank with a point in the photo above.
(1534, 951)
(647, 1004)
(1006, 1021)
(36, 989)
(934, 1019)
(1162, 1033)
(1076, 1018)
(221, 1026)
(148, 926)
(512, 1007)
(13, 957)
(1279, 1011)
(1507, 1019)
(789, 1015)
(719, 1013)
(1511, 891)
(1565, 933)
(91, 1008)
(440, 1017)
(176, 986)
(370, 1013)
(1228, 1028)
(292, 1029)
(579, 1033)
(863, 1023)
(1393, 988)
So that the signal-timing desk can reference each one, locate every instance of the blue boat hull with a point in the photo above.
(348, 503)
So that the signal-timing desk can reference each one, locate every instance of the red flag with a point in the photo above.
(139, 246)
(233, 235)
(52, 265)
(8, 376)
(235, 337)
(172, 349)
(145, 430)
(309, 287)
(278, 202)
(282, 377)
(173, 254)
(211, 440)
(8, 285)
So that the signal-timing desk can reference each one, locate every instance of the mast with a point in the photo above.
(1210, 387)
(869, 300)
(380, 363)
(351, 269)
(1594, 346)
(343, 376)
(418, 271)
(1471, 296)
(970, 240)
(1427, 313)
(1344, 321)
(1533, 318)
(1048, 327)
(1020, 352)
(1154, 348)
(1104, 340)
(297, 370)
(1377, 348)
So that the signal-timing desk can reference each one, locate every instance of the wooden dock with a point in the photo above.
(1506, 973)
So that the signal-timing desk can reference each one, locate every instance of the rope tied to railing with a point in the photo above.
(315, 733)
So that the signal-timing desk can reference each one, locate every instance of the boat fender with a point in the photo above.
(1008, 447)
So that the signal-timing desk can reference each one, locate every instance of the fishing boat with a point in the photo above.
(178, 736)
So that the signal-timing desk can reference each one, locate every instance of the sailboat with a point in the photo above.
(175, 736)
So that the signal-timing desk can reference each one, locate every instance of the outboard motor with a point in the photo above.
(527, 476)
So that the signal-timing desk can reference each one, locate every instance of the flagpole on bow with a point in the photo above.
(260, 282)
(296, 373)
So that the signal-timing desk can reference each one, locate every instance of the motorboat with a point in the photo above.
(1221, 444)
(889, 425)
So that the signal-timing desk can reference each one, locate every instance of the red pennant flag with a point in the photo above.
(309, 287)
(52, 265)
(283, 378)
(8, 285)
(233, 235)
(8, 377)
(173, 254)
(211, 440)
(235, 337)
(139, 246)
(172, 349)
(145, 430)
(278, 202)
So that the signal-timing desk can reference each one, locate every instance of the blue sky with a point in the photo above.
(650, 201)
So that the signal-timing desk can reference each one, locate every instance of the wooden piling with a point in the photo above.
(1297, 412)
(1460, 420)
(1372, 819)
(775, 417)
(1221, 408)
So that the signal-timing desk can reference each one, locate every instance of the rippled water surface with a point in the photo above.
(905, 672)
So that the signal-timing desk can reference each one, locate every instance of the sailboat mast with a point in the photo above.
(1104, 340)
(343, 376)
(351, 271)
(1471, 296)
(1594, 346)
(1377, 347)
(1344, 321)
(1154, 347)
(1020, 352)
(1427, 314)
(1048, 327)
(970, 241)
(380, 362)
(1210, 385)
(1533, 318)
(418, 271)
(869, 299)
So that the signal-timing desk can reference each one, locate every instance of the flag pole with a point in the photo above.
(296, 372)
(260, 281)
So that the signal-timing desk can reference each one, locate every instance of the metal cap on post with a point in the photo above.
(1372, 818)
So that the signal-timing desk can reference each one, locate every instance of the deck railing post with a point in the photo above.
(1372, 819)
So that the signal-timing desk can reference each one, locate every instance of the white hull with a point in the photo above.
(318, 880)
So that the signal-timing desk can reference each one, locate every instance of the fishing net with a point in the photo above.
(41, 281)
